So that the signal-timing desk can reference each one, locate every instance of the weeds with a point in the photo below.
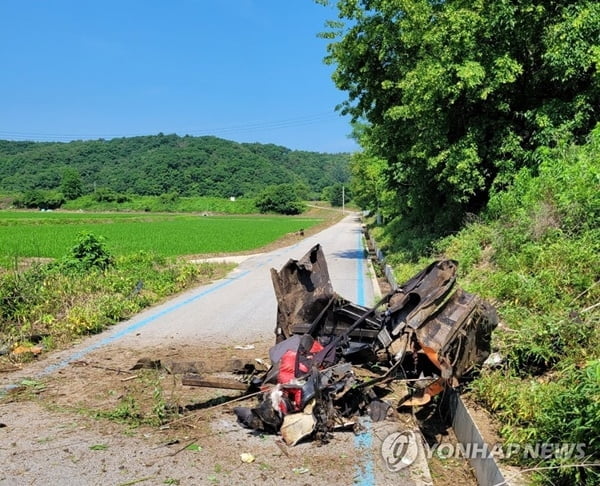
(89, 290)
(560, 408)
(137, 407)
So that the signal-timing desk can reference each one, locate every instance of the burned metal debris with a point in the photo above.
(335, 360)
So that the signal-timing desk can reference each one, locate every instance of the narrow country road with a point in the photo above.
(243, 307)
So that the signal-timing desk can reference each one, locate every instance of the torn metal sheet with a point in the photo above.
(297, 426)
(428, 333)
(303, 290)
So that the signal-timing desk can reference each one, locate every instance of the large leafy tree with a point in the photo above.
(457, 94)
(368, 185)
(281, 198)
(71, 184)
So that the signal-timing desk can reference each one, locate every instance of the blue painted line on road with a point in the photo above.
(134, 327)
(360, 269)
(365, 474)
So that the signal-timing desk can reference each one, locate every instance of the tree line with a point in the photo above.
(165, 164)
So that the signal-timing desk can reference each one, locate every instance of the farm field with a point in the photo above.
(52, 234)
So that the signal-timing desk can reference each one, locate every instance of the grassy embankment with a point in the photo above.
(63, 274)
(535, 253)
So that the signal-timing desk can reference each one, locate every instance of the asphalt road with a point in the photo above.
(243, 307)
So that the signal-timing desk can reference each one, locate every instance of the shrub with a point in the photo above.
(104, 194)
(561, 409)
(280, 199)
(40, 199)
(90, 252)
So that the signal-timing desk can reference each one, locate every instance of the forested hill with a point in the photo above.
(157, 164)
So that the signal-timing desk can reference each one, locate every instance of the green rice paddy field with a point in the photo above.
(52, 234)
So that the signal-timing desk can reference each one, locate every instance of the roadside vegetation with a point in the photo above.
(480, 141)
(65, 275)
(535, 253)
(48, 305)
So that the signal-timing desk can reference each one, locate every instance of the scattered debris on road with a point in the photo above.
(334, 360)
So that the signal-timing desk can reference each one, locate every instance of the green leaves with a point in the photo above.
(98, 447)
(459, 94)
(571, 53)
(90, 252)
(193, 447)
(471, 74)
(280, 199)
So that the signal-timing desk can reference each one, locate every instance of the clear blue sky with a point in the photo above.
(243, 70)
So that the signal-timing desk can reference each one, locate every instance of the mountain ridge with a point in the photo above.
(158, 164)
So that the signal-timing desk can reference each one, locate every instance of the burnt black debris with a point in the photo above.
(335, 360)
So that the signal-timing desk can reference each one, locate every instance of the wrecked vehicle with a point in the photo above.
(333, 359)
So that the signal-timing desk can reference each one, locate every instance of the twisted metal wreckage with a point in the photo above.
(334, 359)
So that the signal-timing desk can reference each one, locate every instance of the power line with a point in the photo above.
(245, 128)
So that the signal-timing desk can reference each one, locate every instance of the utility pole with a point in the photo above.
(343, 199)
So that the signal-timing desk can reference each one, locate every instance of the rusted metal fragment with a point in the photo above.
(213, 382)
(424, 396)
(422, 295)
(303, 289)
(459, 334)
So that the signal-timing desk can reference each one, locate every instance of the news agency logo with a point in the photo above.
(401, 449)
(540, 450)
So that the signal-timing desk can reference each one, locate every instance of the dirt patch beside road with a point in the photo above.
(96, 422)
